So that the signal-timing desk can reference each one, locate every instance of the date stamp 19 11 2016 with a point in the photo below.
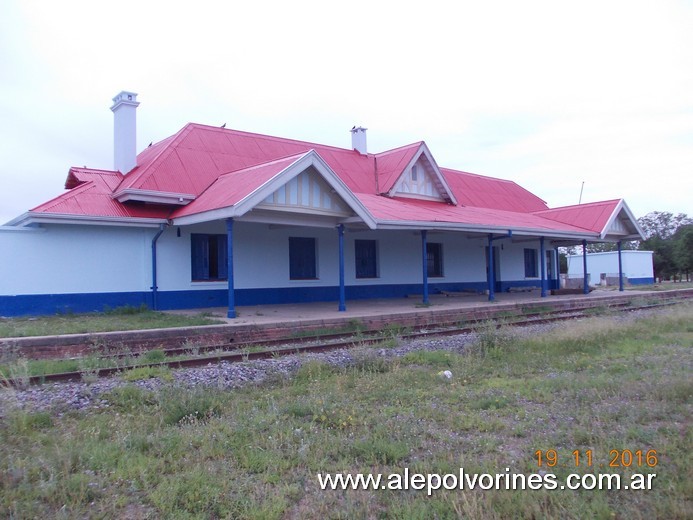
(623, 458)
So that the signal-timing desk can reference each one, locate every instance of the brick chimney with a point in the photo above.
(124, 131)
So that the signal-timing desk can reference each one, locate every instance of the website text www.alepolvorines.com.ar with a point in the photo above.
(431, 482)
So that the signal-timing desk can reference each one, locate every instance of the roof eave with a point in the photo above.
(454, 226)
(31, 218)
(157, 197)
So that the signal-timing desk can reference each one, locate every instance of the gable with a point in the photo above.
(307, 192)
(418, 180)
(422, 179)
(622, 225)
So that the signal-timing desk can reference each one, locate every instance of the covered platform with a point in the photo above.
(358, 309)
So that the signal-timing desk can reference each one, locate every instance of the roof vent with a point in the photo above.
(358, 139)
(124, 131)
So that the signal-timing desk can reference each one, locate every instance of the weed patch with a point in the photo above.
(147, 372)
(189, 406)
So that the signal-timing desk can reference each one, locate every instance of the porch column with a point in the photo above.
(585, 285)
(342, 296)
(424, 262)
(229, 267)
(542, 256)
(620, 268)
(491, 275)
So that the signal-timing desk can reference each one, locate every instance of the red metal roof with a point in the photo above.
(415, 210)
(92, 196)
(489, 192)
(220, 167)
(390, 165)
(231, 188)
(592, 216)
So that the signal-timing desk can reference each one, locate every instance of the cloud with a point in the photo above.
(545, 93)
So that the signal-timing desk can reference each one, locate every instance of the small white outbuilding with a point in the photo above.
(602, 268)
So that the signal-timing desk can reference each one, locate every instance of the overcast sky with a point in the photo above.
(546, 93)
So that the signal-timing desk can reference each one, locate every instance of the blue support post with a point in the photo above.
(542, 257)
(620, 268)
(491, 274)
(342, 293)
(585, 285)
(424, 261)
(229, 262)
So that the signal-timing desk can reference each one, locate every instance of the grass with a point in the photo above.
(596, 384)
(20, 368)
(664, 286)
(120, 318)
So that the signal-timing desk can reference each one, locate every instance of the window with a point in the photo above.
(366, 259)
(414, 173)
(209, 257)
(302, 265)
(434, 259)
(530, 263)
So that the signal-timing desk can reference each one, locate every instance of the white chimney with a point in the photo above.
(358, 139)
(125, 131)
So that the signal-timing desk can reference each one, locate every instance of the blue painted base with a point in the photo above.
(641, 281)
(42, 304)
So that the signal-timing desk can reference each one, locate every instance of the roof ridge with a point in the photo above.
(72, 192)
(95, 170)
(480, 175)
(599, 202)
(271, 137)
(168, 147)
(399, 148)
(261, 164)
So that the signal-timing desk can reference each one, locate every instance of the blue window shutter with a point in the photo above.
(302, 265)
(366, 259)
(222, 257)
(530, 263)
(200, 256)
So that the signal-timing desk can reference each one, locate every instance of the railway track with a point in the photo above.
(323, 342)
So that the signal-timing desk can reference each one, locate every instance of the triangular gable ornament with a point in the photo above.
(422, 179)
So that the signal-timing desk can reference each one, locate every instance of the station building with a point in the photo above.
(214, 217)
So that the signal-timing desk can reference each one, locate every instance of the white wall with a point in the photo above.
(74, 259)
(636, 264)
(77, 259)
(512, 259)
(261, 257)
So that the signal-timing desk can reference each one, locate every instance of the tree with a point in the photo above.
(660, 227)
(683, 250)
(604, 247)
(663, 224)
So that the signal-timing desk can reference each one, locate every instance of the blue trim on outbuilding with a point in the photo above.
(641, 281)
